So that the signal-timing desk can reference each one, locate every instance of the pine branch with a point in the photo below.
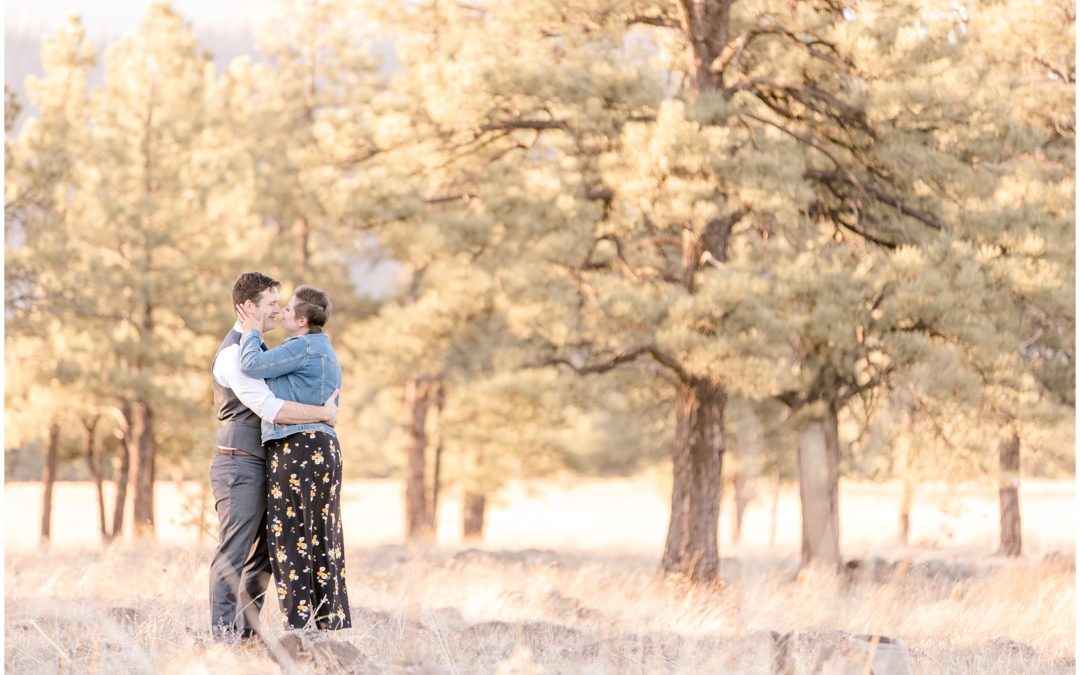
(619, 253)
(734, 49)
(620, 358)
(595, 367)
(535, 125)
(873, 189)
(806, 95)
(659, 21)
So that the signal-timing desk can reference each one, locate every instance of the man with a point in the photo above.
(240, 571)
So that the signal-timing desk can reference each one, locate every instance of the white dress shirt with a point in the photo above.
(251, 391)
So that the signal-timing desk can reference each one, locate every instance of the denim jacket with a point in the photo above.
(303, 368)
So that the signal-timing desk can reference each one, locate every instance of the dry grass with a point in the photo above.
(563, 609)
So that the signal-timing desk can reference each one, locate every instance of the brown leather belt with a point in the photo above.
(232, 453)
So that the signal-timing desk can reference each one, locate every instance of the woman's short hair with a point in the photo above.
(313, 305)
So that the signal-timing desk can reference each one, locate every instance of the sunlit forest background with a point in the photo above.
(730, 250)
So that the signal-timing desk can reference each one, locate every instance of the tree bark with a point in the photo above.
(706, 26)
(905, 460)
(1009, 494)
(907, 496)
(48, 478)
(774, 511)
(121, 473)
(744, 494)
(818, 457)
(89, 425)
(473, 516)
(691, 548)
(140, 441)
(418, 526)
(437, 442)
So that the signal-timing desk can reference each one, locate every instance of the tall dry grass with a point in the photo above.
(568, 609)
(131, 610)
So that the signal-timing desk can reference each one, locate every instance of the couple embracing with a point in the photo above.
(276, 476)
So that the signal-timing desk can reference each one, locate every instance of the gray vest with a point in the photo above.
(239, 427)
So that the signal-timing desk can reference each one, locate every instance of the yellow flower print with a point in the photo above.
(274, 463)
(335, 552)
(325, 511)
(293, 576)
(314, 540)
(289, 513)
(317, 457)
(326, 478)
(312, 492)
(294, 481)
(275, 492)
(340, 613)
(286, 449)
(301, 545)
(281, 557)
(281, 591)
(323, 574)
(302, 608)
(276, 527)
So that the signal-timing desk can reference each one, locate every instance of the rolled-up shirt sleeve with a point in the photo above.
(251, 391)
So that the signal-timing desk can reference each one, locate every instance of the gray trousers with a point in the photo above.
(240, 571)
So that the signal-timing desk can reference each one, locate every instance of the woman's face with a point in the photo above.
(290, 322)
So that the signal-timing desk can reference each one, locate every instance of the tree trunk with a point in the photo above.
(48, 478)
(774, 512)
(473, 516)
(905, 462)
(691, 548)
(744, 494)
(303, 251)
(89, 425)
(140, 441)
(437, 442)
(121, 473)
(418, 526)
(1009, 494)
(818, 456)
(706, 26)
(907, 496)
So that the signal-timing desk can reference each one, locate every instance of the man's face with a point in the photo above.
(269, 308)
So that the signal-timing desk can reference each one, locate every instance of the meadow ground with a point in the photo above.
(564, 581)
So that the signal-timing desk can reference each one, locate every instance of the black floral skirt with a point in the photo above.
(307, 549)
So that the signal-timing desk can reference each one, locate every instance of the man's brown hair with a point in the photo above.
(313, 305)
(250, 285)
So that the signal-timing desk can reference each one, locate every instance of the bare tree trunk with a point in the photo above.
(303, 251)
(418, 526)
(775, 510)
(473, 516)
(819, 452)
(691, 548)
(907, 496)
(89, 425)
(744, 494)
(437, 442)
(121, 475)
(905, 460)
(140, 440)
(1009, 494)
(48, 478)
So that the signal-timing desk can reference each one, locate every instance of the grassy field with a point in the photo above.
(564, 582)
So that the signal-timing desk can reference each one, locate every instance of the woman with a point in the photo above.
(307, 549)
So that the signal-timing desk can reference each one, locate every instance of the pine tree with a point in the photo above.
(126, 254)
